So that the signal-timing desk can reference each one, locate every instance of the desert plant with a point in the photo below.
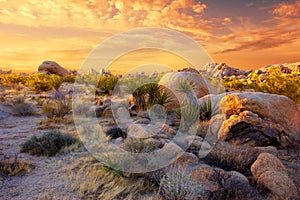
(139, 145)
(23, 109)
(107, 83)
(185, 86)
(206, 110)
(275, 82)
(48, 144)
(233, 157)
(71, 78)
(12, 79)
(101, 182)
(180, 186)
(44, 82)
(57, 108)
(14, 166)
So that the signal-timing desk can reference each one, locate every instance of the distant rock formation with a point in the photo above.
(5, 72)
(51, 67)
(189, 69)
(222, 70)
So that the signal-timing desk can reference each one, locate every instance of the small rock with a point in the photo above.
(142, 121)
(236, 180)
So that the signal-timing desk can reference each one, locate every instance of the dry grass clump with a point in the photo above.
(12, 167)
(180, 186)
(232, 157)
(95, 181)
(55, 123)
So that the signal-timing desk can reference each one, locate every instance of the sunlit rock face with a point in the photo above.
(257, 119)
(52, 67)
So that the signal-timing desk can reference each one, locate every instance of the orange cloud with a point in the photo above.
(288, 10)
(283, 29)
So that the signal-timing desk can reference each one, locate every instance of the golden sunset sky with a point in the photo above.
(246, 34)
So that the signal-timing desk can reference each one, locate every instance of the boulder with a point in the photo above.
(52, 67)
(267, 162)
(277, 108)
(279, 184)
(172, 81)
(255, 118)
(207, 176)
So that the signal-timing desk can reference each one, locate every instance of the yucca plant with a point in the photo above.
(206, 110)
(162, 97)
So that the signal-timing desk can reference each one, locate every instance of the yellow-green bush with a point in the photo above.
(12, 79)
(44, 82)
(107, 83)
(69, 78)
(276, 83)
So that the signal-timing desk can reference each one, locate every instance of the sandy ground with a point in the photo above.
(50, 177)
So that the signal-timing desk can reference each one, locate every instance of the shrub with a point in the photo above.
(71, 78)
(44, 82)
(57, 108)
(233, 157)
(180, 186)
(107, 83)
(14, 167)
(23, 109)
(48, 144)
(276, 83)
(13, 79)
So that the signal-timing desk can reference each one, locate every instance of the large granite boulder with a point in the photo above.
(175, 82)
(258, 119)
(52, 67)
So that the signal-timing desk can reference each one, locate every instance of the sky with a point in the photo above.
(247, 34)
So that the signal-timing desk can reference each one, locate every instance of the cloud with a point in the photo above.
(111, 14)
(282, 29)
(288, 10)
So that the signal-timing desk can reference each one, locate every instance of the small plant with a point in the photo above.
(48, 144)
(108, 83)
(139, 146)
(206, 111)
(23, 109)
(180, 186)
(233, 157)
(57, 108)
(14, 166)
(71, 78)
(185, 86)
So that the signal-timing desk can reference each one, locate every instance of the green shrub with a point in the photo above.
(57, 108)
(48, 144)
(107, 83)
(180, 186)
(12, 79)
(23, 109)
(71, 78)
(44, 82)
(276, 83)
